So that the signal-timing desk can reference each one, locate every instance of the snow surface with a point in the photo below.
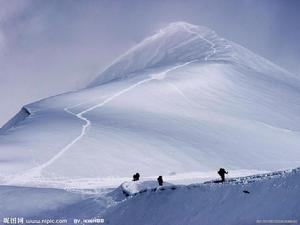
(180, 104)
(272, 196)
(22, 115)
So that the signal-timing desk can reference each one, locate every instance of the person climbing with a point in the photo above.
(160, 181)
(136, 177)
(222, 173)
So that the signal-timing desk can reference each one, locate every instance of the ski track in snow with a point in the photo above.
(157, 76)
(36, 171)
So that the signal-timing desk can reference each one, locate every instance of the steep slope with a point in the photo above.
(182, 101)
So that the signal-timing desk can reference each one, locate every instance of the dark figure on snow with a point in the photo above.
(222, 173)
(136, 177)
(160, 181)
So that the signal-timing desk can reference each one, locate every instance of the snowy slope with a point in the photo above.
(20, 116)
(272, 196)
(177, 43)
(181, 101)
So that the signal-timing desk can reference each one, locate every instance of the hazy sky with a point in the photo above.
(52, 46)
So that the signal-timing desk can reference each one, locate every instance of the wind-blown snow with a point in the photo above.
(177, 43)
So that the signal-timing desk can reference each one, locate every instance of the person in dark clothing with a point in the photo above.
(136, 177)
(222, 173)
(160, 181)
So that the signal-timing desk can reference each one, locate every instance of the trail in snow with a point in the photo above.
(36, 171)
(87, 124)
(157, 76)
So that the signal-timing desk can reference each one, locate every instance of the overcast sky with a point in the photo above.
(52, 46)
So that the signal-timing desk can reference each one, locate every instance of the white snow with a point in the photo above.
(177, 43)
(180, 104)
(203, 104)
(270, 198)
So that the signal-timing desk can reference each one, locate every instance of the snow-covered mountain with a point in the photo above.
(183, 101)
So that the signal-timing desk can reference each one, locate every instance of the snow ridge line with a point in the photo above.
(36, 171)
(243, 180)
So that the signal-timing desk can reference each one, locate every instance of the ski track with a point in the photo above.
(36, 171)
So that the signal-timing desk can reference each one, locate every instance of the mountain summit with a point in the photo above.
(182, 42)
(177, 43)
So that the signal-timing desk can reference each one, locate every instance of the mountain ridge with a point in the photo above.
(180, 42)
(167, 43)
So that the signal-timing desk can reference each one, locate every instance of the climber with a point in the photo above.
(160, 181)
(136, 177)
(222, 173)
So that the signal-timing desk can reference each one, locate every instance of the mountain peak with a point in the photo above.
(178, 42)
(180, 26)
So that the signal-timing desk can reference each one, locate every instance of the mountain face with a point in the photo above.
(182, 101)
